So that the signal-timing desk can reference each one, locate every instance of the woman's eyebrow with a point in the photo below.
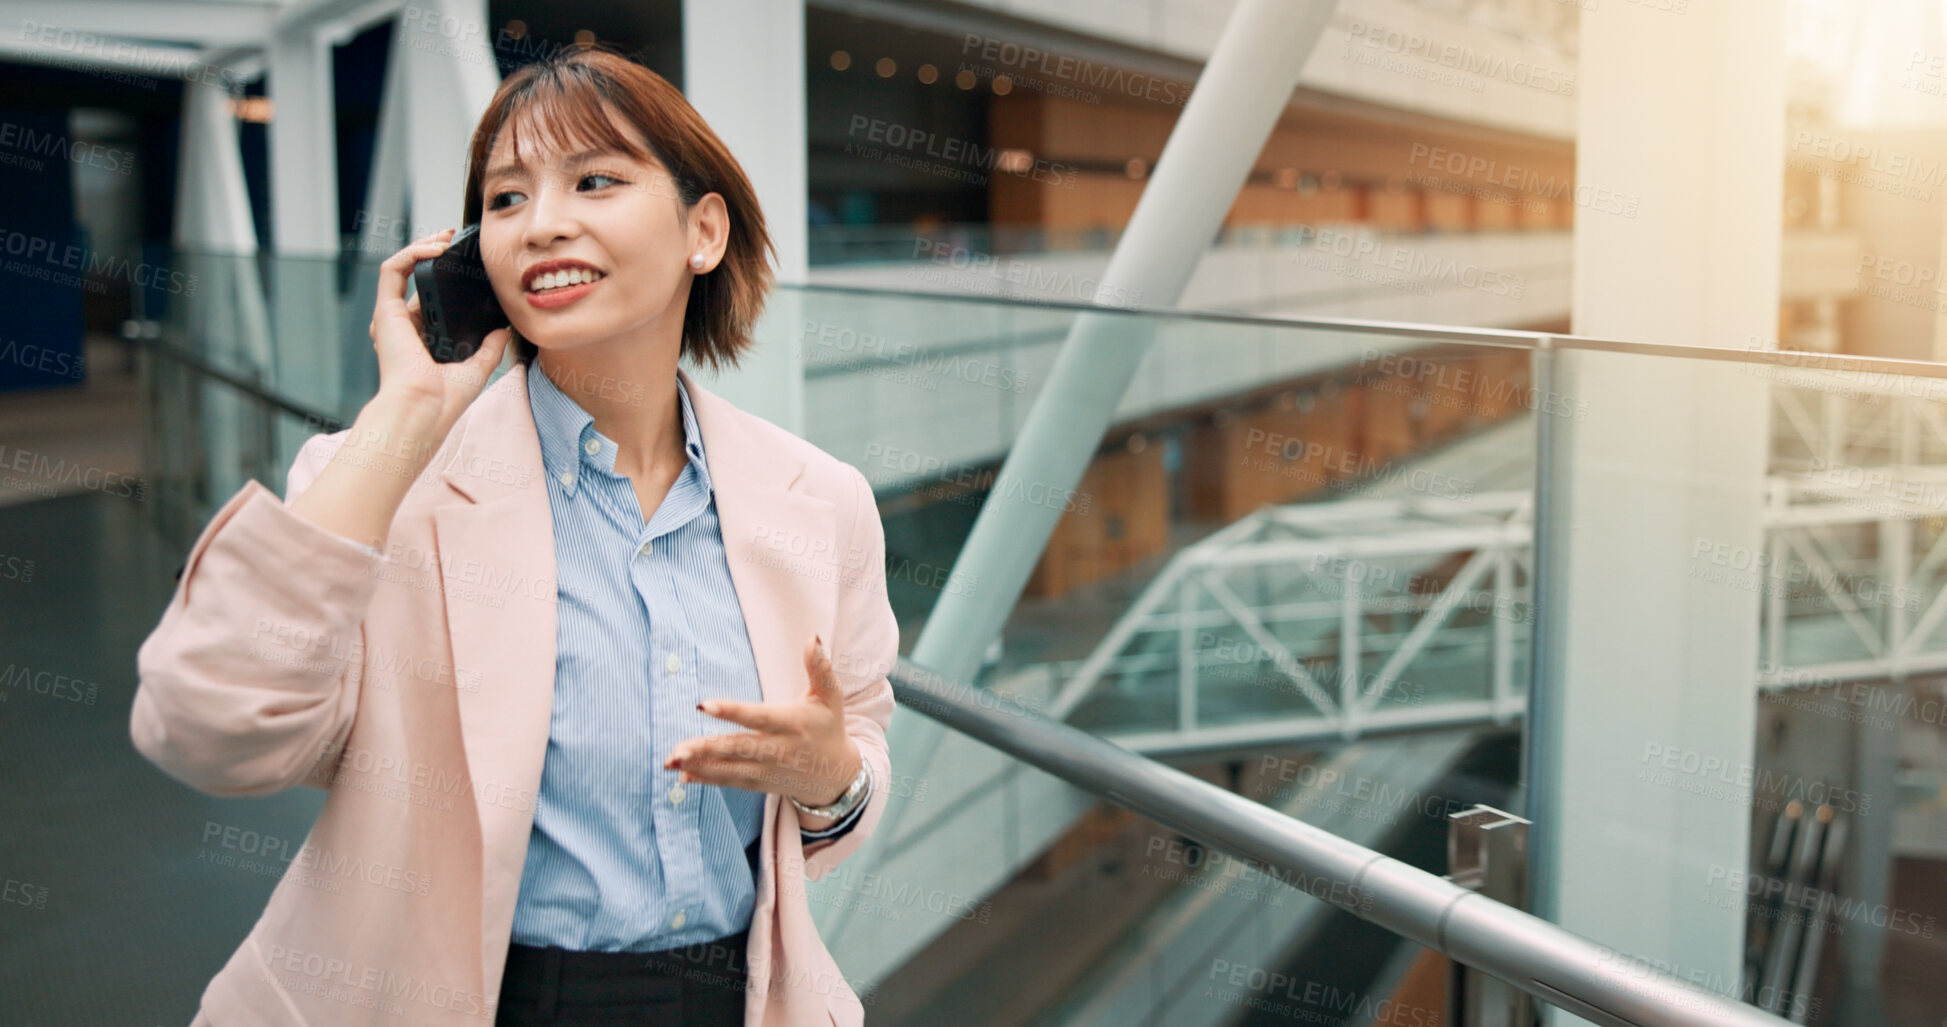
(572, 160)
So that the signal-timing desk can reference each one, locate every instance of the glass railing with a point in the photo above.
(1321, 564)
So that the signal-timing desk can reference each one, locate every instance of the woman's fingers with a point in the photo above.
(754, 715)
(824, 687)
(394, 270)
(746, 745)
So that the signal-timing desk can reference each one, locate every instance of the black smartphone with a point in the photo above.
(457, 308)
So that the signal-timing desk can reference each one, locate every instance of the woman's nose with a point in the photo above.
(549, 217)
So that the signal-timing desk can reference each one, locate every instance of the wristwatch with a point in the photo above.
(854, 794)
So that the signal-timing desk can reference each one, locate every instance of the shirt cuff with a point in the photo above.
(848, 821)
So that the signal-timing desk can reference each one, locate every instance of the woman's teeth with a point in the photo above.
(563, 279)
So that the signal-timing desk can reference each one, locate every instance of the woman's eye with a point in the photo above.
(499, 200)
(593, 182)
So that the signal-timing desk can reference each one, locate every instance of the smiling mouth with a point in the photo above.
(563, 279)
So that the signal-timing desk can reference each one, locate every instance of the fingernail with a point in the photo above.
(702, 707)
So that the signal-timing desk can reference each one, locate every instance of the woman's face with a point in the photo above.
(588, 246)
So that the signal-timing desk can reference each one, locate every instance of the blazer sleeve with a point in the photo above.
(864, 647)
(253, 673)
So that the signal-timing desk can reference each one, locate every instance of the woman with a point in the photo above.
(556, 650)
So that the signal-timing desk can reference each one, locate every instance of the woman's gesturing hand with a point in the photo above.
(406, 368)
(797, 749)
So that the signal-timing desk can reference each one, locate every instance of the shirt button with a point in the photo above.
(673, 664)
(646, 546)
(678, 920)
(593, 446)
(567, 477)
(676, 795)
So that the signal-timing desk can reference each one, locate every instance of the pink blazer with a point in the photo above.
(416, 689)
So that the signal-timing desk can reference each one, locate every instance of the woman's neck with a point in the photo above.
(630, 391)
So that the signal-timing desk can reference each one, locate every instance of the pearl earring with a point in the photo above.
(697, 260)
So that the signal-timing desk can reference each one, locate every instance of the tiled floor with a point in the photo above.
(128, 920)
(110, 912)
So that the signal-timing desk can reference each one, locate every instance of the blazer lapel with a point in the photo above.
(781, 546)
(495, 540)
(780, 543)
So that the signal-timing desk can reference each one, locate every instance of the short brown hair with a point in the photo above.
(566, 99)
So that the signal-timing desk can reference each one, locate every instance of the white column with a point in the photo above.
(439, 77)
(1682, 123)
(304, 228)
(224, 318)
(445, 49)
(744, 71)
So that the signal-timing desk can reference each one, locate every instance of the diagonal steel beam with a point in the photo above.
(1238, 99)
(1236, 103)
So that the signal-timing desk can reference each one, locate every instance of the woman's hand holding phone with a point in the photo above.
(407, 371)
(394, 438)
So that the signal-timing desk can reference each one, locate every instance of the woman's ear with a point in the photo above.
(709, 230)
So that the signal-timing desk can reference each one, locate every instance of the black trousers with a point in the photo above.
(693, 986)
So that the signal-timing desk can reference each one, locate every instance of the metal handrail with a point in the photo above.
(1801, 360)
(1554, 965)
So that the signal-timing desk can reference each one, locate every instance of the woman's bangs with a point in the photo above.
(565, 116)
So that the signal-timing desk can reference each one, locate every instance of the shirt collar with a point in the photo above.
(566, 430)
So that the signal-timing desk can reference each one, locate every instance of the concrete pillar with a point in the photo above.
(1677, 240)
(744, 71)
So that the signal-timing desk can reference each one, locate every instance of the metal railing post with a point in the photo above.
(1487, 853)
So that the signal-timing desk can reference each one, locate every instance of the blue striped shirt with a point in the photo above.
(623, 857)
